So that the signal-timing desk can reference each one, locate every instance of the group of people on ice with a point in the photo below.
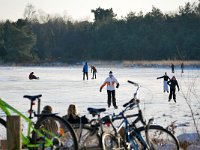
(172, 83)
(173, 67)
(85, 71)
(112, 83)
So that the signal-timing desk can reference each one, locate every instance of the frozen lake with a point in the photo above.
(61, 86)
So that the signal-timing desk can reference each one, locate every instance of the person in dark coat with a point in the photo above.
(172, 66)
(32, 76)
(182, 67)
(165, 85)
(73, 116)
(173, 83)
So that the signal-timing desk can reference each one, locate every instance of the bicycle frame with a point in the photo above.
(125, 123)
(97, 123)
(6, 108)
(136, 138)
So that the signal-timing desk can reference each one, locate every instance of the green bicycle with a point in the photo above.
(49, 132)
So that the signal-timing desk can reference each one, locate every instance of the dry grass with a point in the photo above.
(184, 144)
(162, 62)
(145, 63)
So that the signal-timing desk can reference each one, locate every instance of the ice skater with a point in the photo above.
(85, 71)
(94, 72)
(182, 67)
(172, 66)
(110, 82)
(173, 83)
(165, 79)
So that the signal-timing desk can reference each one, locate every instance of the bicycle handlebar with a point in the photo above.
(134, 83)
(132, 101)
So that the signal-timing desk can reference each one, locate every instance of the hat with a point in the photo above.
(47, 108)
(110, 72)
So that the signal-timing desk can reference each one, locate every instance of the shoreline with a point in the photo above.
(141, 63)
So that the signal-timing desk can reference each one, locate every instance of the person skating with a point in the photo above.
(165, 79)
(172, 66)
(173, 83)
(182, 67)
(110, 82)
(94, 72)
(85, 71)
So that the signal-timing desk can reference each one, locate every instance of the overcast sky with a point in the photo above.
(81, 9)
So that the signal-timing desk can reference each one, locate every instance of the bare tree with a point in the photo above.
(190, 95)
(29, 12)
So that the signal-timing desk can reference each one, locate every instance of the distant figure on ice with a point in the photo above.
(110, 82)
(32, 76)
(173, 83)
(172, 66)
(93, 71)
(165, 85)
(85, 71)
(182, 67)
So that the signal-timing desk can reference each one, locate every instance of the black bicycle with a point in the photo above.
(49, 132)
(127, 136)
(89, 135)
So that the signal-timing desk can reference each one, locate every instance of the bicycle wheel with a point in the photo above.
(111, 142)
(58, 131)
(88, 137)
(159, 138)
(3, 134)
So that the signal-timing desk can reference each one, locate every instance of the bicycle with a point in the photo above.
(148, 136)
(89, 135)
(49, 132)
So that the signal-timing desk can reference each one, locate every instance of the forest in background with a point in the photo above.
(43, 38)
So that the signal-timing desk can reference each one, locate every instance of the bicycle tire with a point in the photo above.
(88, 137)
(3, 130)
(159, 138)
(58, 130)
(112, 142)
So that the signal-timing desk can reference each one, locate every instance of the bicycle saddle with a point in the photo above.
(32, 98)
(95, 111)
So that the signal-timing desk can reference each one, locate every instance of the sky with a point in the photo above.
(81, 9)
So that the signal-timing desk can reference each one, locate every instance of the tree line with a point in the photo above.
(41, 37)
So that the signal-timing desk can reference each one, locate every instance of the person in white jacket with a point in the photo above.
(111, 81)
(165, 80)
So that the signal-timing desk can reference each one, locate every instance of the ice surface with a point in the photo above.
(61, 86)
